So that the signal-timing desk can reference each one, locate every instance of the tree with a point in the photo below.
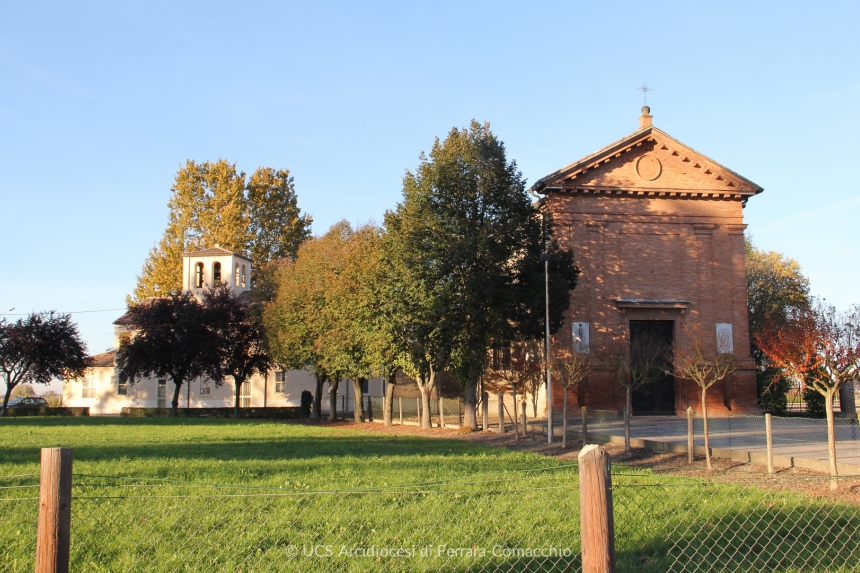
(275, 222)
(634, 366)
(705, 363)
(39, 348)
(23, 391)
(172, 337)
(570, 372)
(241, 337)
(465, 227)
(776, 287)
(213, 204)
(820, 347)
(295, 318)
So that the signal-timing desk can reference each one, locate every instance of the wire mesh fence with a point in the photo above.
(517, 521)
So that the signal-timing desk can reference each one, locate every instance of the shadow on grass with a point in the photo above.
(223, 440)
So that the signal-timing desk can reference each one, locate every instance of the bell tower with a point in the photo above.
(209, 268)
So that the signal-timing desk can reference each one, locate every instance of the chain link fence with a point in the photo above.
(517, 521)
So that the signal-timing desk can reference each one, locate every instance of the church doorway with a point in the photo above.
(657, 398)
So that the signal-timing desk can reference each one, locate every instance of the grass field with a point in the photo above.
(223, 495)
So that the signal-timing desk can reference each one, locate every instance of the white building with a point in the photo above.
(101, 391)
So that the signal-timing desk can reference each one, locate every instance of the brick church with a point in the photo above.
(657, 229)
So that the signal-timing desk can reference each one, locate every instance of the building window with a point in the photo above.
(243, 276)
(122, 388)
(89, 390)
(198, 276)
(237, 274)
(216, 274)
(725, 344)
(205, 389)
(280, 382)
(580, 338)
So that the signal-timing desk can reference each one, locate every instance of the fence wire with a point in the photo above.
(525, 521)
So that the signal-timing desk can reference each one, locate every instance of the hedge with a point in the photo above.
(281, 413)
(48, 411)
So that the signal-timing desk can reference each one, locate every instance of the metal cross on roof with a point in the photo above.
(645, 89)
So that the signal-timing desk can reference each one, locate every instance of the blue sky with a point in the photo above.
(101, 102)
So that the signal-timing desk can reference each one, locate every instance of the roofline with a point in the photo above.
(195, 254)
(632, 138)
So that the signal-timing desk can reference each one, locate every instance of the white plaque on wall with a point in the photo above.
(580, 337)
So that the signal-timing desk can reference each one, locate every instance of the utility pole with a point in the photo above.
(545, 258)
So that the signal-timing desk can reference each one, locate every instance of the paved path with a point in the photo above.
(793, 437)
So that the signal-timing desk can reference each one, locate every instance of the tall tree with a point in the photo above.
(276, 224)
(39, 348)
(307, 322)
(464, 229)
(820, 347)
(240, 335)
(213, 204)
(776, 287)
(172, 337)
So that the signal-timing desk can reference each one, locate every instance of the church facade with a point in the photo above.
(658, 231)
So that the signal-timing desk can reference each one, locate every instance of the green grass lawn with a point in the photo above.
(223, 495)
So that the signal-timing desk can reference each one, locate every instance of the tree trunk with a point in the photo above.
(238, 385)
(318, 399)
(388, 403)
(705, 424)
(846, 400)
(6, 399)
(425, 406)
(628, 407)
(359, 401)
(470, 419)
(564, 423)
(175, 404)
(831, 433)
(534, 405)
(332, 400)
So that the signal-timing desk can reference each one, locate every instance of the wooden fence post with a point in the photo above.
(595, 507)
(584, 425)
(524, 418)
(441, 412)
(55, 511)
(501, 405)
(400, 408)
(768, 430)
(691, 444)
(485, 407)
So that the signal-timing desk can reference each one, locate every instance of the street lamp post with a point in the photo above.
(11, 308)
(545, 258)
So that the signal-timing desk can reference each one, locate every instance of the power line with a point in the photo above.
(69, 312)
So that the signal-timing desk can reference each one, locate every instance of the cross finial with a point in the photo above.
(645, 89)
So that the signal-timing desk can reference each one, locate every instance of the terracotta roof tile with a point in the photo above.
(101, 360)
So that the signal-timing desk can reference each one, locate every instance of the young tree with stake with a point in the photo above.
(820, 347)
(705, 363)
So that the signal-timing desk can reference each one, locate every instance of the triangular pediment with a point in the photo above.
(652, 163)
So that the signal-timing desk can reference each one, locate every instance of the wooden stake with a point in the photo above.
(584, 425)
(768, 431)
(523, 416)
(400, 408)
(501, 405)
(55, 511)
(691, 444)
(595, 507)
(441, 412)
(485, 407)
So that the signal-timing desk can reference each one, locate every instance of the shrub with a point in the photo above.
(278, 413)
(47, 411)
